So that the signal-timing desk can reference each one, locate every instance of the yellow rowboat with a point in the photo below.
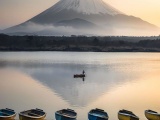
(152, 115)
(7, 114)
(33, 114)
(126, 115)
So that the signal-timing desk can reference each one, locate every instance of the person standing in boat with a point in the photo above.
(83, 72)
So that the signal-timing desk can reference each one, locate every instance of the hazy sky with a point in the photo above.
(13, 12)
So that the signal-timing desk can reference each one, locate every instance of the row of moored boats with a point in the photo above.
(69, 114)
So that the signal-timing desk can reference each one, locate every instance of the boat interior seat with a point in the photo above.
(4, 114)
(7, 111)
(66, 114)
(33, 114)
(37, 112)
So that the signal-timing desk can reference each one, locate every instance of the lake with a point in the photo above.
(113, 81)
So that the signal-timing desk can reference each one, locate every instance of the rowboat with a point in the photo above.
(79, 75)
(127, 115)
(152, 115)
(33, 114)
(7, 114)
(97, 114)
(65, 114)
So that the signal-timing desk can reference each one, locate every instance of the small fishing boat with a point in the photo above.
(152, 115)
(33, 114)
(127, 115)
(7, 114)
(97, 114)
(79, 75)
(66, 114)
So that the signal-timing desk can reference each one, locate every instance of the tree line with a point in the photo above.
(79, 43)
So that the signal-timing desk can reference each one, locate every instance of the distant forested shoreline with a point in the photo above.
(80, 43)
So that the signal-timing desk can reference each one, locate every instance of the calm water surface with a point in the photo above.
(114, 81)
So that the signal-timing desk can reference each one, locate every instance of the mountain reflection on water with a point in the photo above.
(113, 81)
(59, 78)
(77, 92)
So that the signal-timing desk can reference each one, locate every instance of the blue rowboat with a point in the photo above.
(97, 114)
(65, 114)
(7, 114)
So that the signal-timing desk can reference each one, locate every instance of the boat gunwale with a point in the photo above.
(8, 116)
(29, 116)
(66, 115)
(106, 117)
(153, 113)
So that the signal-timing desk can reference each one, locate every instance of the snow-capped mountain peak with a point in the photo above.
(79, 17)
(85, 7)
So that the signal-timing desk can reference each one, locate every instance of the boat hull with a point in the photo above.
(8, 118)
(21, 117)
(92, 117)
(60, 117)
(152, 116)
(79, 76)
(126, 117)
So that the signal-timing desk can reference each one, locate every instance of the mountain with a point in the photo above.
(84, 17)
